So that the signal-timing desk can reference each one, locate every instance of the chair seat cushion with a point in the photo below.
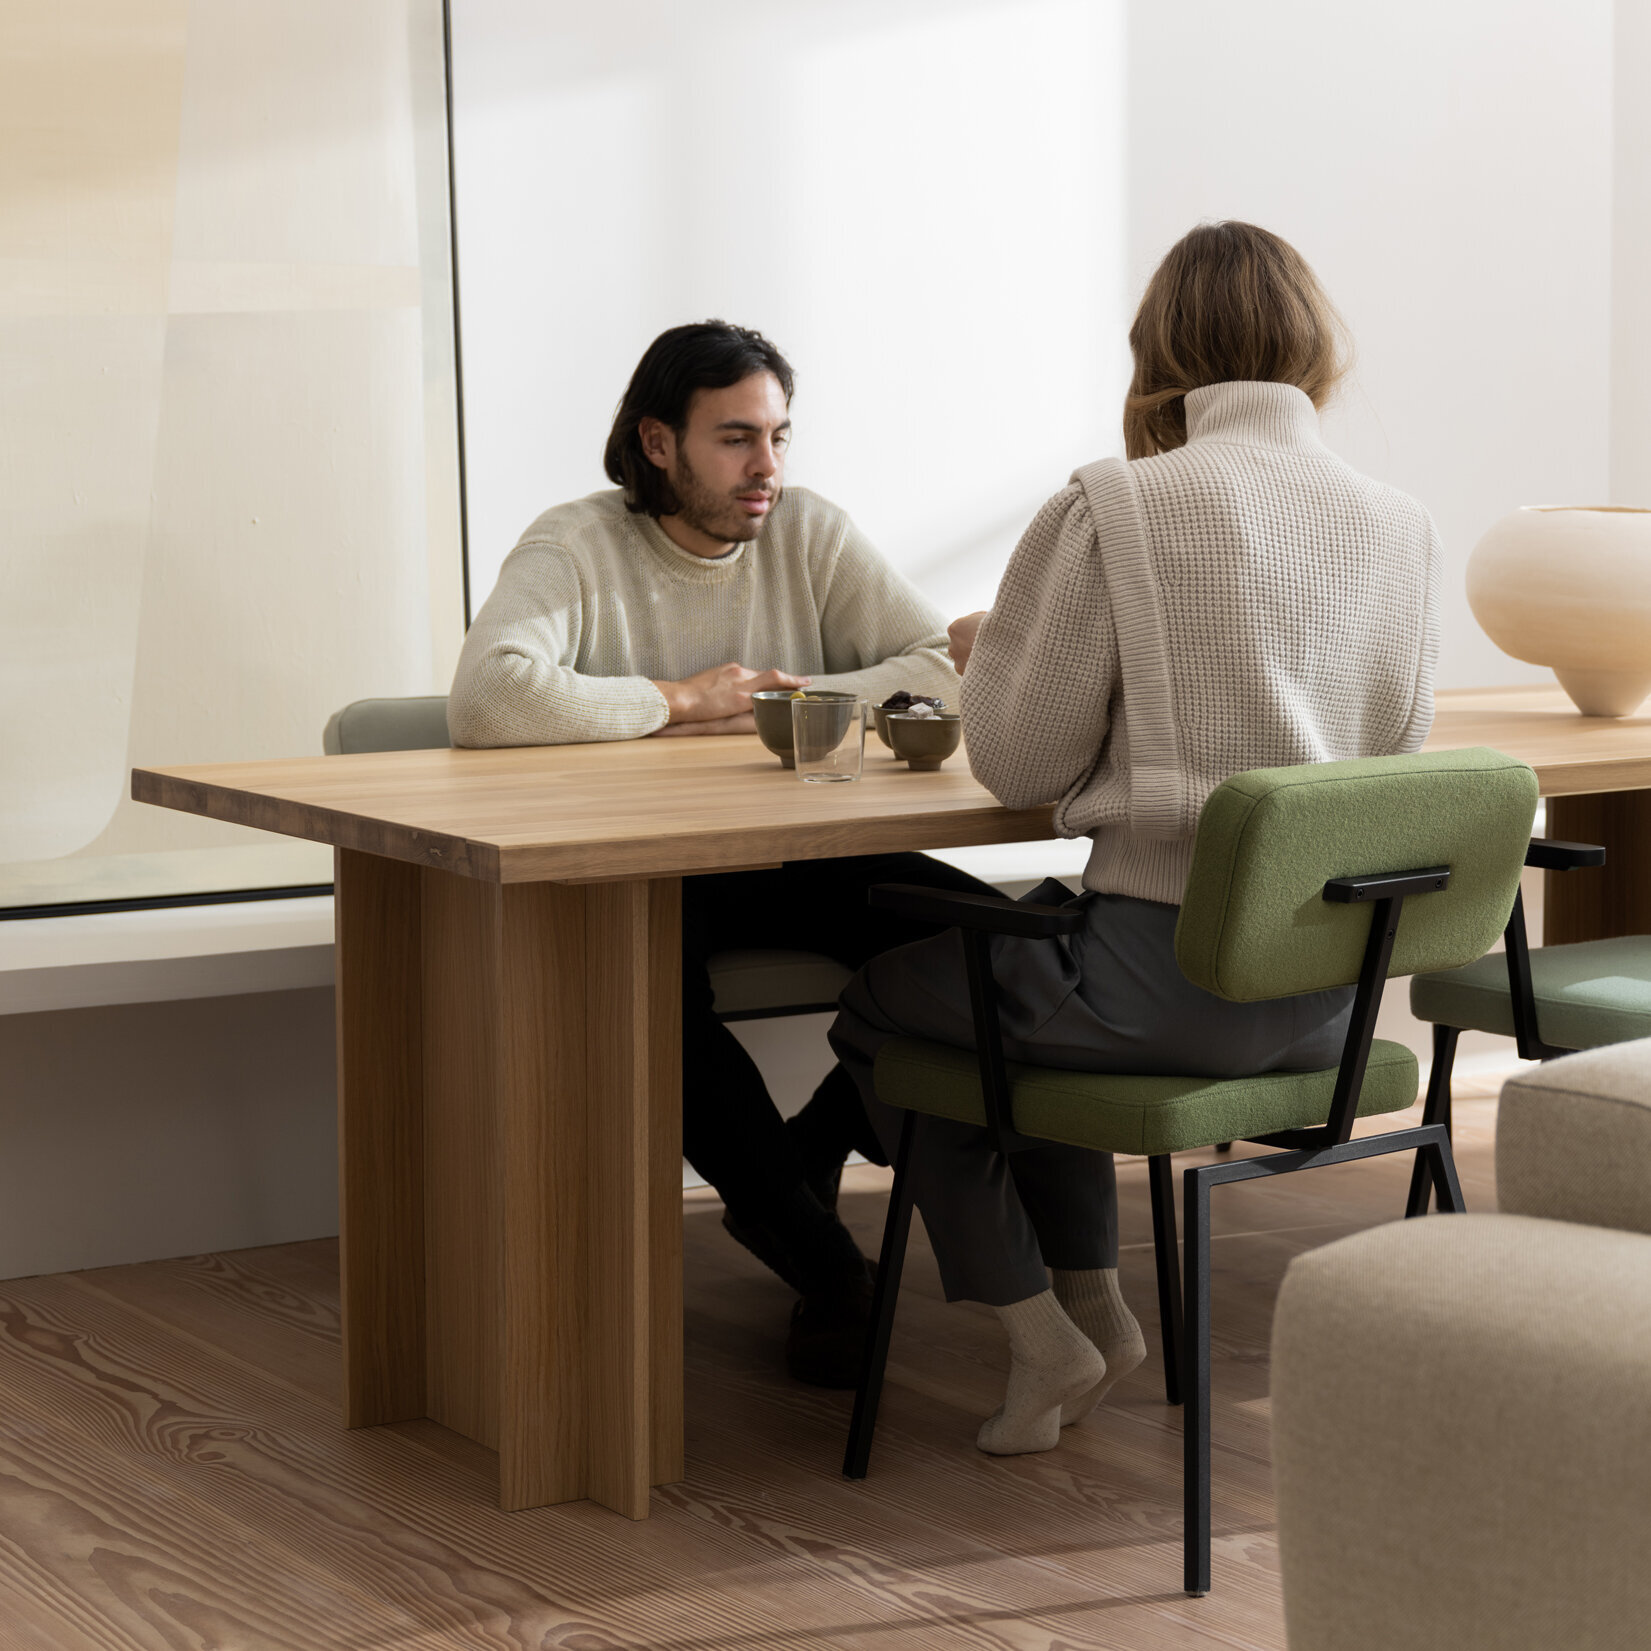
(1114, 1113)
(759, 981)
(1588, 994)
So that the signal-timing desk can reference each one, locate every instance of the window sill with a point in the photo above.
(87, 962)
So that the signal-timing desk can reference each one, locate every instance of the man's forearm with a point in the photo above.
(921, 671)
(507, 700)
(678, 700)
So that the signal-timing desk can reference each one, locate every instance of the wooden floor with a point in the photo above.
(172, 1474)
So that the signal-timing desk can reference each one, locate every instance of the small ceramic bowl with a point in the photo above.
(772, 708)
(882, 714)
(924, 742)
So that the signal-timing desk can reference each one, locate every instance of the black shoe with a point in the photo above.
(826, 1343)
(764, 1246)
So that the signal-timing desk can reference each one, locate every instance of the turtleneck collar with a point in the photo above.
(1252, 414)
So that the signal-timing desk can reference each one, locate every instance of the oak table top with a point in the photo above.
(1572, 754)
(647, 808)
(591, 813)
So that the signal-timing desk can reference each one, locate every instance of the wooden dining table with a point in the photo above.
(509, 1038)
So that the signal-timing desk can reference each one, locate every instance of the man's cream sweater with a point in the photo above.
(1245, 601)
(594, 601)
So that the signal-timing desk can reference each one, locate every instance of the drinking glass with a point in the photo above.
(829, 736)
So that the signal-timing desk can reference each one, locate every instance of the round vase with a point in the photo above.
(1569, 587)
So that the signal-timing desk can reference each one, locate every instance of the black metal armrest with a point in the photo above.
(1553, 855)
(1387, 885)
(993, 914)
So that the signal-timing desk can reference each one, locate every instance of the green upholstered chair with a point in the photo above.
(1325, 875)
(745, 985)
(1552, 1000)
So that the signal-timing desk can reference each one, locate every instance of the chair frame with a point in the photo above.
(781, 1011)
(1549, 854)
(1184, 1315)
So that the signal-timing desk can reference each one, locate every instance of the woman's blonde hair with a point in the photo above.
(1229, 301)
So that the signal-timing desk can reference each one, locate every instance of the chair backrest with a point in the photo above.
(387, 725)
(1254, 922)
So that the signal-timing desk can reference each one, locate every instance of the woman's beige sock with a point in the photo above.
(1051, 1362)
(1095, 1304)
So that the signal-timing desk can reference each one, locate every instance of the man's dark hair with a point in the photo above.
(706, 355)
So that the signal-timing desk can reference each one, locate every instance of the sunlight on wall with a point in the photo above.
(226, 350)
(921, 205)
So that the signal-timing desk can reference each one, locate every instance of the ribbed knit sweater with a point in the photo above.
(594, 602)
(1245, 601)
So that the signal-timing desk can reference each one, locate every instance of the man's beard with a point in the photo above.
(716, 515)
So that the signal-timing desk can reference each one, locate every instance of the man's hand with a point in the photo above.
(744, 723)
(961, 633)
(720, 694)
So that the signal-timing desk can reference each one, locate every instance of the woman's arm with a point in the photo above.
(1044, 663)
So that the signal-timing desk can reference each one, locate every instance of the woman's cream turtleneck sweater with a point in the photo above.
(1245, 601)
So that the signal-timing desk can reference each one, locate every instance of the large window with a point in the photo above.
(228, 457)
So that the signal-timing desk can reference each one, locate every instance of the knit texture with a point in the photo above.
(595, 601)
(1051, 1363)
(1093, 1299)
(1245, 601)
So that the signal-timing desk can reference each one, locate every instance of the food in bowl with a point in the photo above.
(772, 707)
(898, 704)
(924, 741)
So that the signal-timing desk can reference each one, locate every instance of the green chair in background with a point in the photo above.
(1552, 1000)
(753, 984)
(1300, 877)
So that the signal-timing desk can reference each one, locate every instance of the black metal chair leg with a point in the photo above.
(1443, 1166)
(1195, 1215)
(896, 1231)
(1161, 1179)
(1436, 1110)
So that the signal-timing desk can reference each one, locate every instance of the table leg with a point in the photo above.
(380, 1137)
(1616, 898)
(665, 1176)
(552, 1230)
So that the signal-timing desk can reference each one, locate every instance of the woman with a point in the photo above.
(1232, 597)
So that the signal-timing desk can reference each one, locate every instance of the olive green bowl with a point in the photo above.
(772, 708)
(924, 742)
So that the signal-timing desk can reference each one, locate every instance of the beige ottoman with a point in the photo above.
(1462, 1404)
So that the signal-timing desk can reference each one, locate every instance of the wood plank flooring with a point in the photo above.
(173, 1476)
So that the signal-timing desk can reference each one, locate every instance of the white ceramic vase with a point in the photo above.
(1569, 587)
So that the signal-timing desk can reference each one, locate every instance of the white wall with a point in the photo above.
(1631, 261)
(931, 207)
(1446, 167)
(141, 1130)
(920, 202)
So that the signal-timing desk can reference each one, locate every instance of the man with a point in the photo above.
(658, 609)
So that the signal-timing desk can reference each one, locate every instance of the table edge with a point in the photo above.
(316, 823)
(677, 855)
